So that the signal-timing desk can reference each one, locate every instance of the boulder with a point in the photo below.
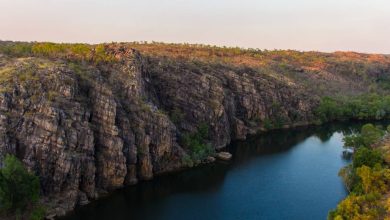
(210, 159)
(224, 156)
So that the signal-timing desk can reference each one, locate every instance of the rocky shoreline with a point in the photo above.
(88, 128)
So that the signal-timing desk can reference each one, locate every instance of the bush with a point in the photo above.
(367, 157)
(363, 156)
(19, 189)
(196, 143)
(364, 107)
(373, 179)
(72, 52)
(187, 161)
(328, 109)
(367, 178)
(371, 134)
(368, 136)
(38, 213)
(267, 124)
(357, 207)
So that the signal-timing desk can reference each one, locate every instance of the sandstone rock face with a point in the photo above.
(87, 129)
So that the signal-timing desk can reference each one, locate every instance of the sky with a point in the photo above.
(319, 25)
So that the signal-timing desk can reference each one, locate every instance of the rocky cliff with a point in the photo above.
(86, 127)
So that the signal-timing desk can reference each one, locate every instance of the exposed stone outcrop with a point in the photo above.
(224, 155)
(87, 129)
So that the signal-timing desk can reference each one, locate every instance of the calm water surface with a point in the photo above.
(289, 174)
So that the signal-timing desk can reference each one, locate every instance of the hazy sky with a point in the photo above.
(325, 25)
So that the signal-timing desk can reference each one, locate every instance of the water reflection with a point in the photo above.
(288, 174)
(283, 140)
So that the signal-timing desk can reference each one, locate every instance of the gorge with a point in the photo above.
(288, 174)
(89, 119)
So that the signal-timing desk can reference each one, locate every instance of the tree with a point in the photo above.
(367, 178)
(19, 189)
(328, 109)
(371, 134)
(367, 157)
(368, 136)
(353, 141)
(196, 143)
(373, 179)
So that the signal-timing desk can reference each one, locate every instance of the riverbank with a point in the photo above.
(90, 119)
(271, 176)
(367, 178)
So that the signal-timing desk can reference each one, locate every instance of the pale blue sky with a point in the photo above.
(325, 25)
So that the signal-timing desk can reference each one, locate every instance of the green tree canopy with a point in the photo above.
(18, 188)
(368, 135)
(371, 134)
(367, 157)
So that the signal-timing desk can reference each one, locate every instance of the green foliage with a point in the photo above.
(278, 122)
(203, 131)
(364, 107)
(353, 140)
(19, 189)
(268, 124)
(38, 213)
(49, 49)
(368, 135)
(196, 143)
(358, 207)
(101, 54)
(328, 109)
(187, 161)
(16, 49)
(363, 156)
(371, 134)
(374, 180)
(365, 204)
(274, 123)
(347, 174)
(73, 52)
(367, 157)
(367, 177)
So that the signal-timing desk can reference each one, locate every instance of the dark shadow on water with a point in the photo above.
(133, 202)
(278, 141)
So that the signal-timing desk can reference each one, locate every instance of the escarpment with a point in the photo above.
(86, 128)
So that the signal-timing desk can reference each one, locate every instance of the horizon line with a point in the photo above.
(196, 44)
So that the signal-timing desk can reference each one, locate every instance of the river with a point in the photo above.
(287, 174)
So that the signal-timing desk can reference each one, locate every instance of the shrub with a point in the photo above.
(267, 124)
(368, 179)
(19, 189)
(369, 106)
(196, 143)
(367, 157)
(371, 134)
(373, 179)
(368, 136)
(38, 213)
(187, 161)
(328, 109)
